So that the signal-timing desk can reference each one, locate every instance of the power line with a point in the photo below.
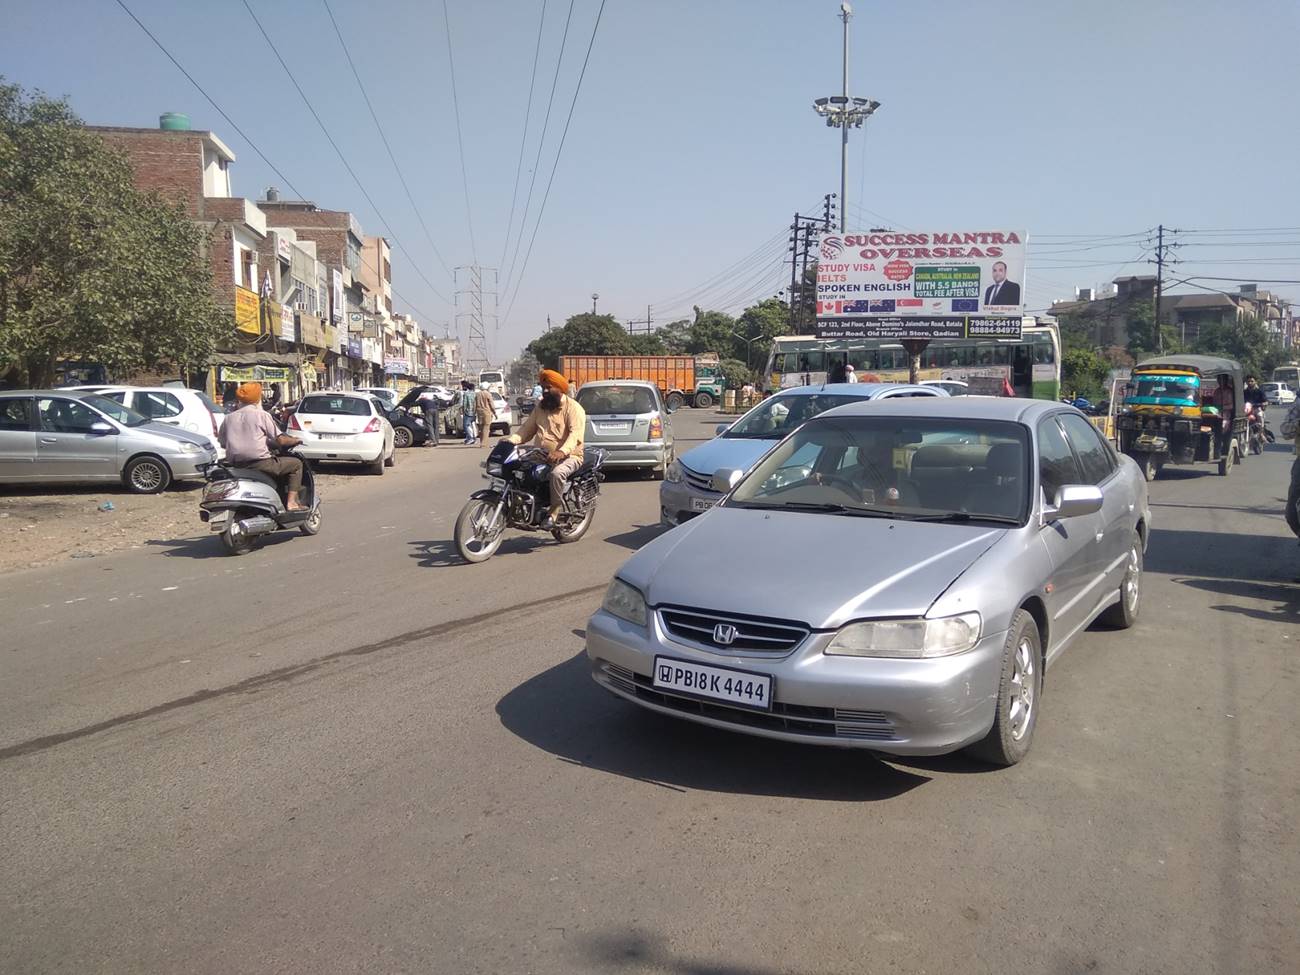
(523, 140)
(339, 152)
(384, 138)
(211, 101)
(541, 212)
(460, 139)
(541, 142)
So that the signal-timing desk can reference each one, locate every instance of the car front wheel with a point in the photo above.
(1125, 612)
(147, 475)
(1019, 689)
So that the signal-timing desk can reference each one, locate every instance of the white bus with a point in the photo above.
(493, 380)
(1031, 364)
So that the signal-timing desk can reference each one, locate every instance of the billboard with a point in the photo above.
(897, 329)
(925, 274)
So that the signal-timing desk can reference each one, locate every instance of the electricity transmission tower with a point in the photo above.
(476, 311)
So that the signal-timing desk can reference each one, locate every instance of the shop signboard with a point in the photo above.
(248, 310)
(396, 367)
(312, 330)
(256, 374)
(288, 324)
(354, 348)
(356, 322)
(336, 297)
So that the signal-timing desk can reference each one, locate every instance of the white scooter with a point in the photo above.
(244, 504)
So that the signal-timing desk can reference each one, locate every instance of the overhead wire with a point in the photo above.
(460, 138)
(342, 158)
(541, 212)
(523, 139)
(383, 136)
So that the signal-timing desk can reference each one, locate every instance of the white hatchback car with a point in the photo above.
(1278, 393)
(505, 418)
(188, 409)
(344, 427)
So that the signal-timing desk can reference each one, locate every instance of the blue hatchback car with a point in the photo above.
(688, 489)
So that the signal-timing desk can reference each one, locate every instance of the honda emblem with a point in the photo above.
(724, 634)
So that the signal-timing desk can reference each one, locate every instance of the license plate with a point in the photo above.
(1146, 440)
(335, 436)
(613, 427)
(702, 504)
(740, 687)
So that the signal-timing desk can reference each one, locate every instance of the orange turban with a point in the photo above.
(549, 377)
(249, 393)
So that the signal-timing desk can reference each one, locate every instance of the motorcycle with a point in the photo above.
(519, 497)
(1257, 434)
(244, 504)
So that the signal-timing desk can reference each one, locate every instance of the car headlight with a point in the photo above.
(908, 638)
(625, 602)
(190, 448)
(674, 473)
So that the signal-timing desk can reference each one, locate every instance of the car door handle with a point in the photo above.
(48, 440)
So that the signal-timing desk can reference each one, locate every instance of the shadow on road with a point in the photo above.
(638, 536)
(646, 952)
(209, 546)
(1286, 597)
(441, 552)
(1194, 553)
(563, 712)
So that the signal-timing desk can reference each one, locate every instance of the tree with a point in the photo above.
(735, 373)
(1084, 372)
(650, 344)
(676, 336)
(762, 323)
(89, 267)
(1248, 340)
(584, 334)
(712, 331)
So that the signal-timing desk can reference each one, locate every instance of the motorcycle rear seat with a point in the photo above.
(252, 474)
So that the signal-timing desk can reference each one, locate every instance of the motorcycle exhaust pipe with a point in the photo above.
(257, 525)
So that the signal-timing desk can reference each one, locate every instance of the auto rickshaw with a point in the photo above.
(1170, 416)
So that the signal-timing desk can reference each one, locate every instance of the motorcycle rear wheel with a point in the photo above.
(471, 540)
(575, 530)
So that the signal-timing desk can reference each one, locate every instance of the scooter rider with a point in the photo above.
(557, 425)
(249, 434)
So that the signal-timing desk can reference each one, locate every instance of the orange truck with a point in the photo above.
(694, 380)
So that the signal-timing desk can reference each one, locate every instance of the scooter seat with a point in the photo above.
(252, 474)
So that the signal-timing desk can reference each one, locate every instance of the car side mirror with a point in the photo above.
(721, 428)
(101, 426)
(726, 479)
(1073, 501)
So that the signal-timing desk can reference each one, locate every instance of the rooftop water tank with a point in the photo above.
(174, 122)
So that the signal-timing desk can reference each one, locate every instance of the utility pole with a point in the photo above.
(647, 322)
(476, 306)
(803, 232)
(594, 298)
(844, 112)
(1160, 280)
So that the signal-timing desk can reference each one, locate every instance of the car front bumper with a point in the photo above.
(898, 707)
(679, 501)
(191, 467)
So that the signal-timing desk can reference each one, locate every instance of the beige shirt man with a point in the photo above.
(560, 433)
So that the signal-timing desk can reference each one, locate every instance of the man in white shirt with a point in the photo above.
(849, 375)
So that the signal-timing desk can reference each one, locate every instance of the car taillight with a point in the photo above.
(656, 428)
(372, 426)
(293, 422)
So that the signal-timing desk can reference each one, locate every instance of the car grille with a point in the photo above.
(699, 482)
(795, 719)
(754, 636)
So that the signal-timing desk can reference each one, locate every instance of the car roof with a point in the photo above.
(145, 389)
(599, 383)
(1012, 408)
(359, 394)
(861, 390)
(70, 393)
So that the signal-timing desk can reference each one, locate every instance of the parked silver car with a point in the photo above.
(688, 491)
(929, 559)
(627, 418)
(49, 436)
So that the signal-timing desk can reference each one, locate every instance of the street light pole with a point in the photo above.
(844, 112)
(846, 12)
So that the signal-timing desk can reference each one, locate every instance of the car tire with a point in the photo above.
(377, 465)
(391, 459)
(1125, 612)
(703, 400)
(402, 437)
(147, 475)
(674, 401)
(1019, 689)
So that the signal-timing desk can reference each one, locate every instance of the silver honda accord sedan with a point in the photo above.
(894, 577)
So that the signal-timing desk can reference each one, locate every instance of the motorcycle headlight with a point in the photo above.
(625, 602)
(908, 638)
(494, 470)
(674, 473)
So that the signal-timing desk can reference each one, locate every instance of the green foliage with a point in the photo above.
(523, 372)
(676, 336)
(1247, 340)
(762, 323)
(735, 373)
(1083, 373)
(90, 268)
(711, 332)
(650, 344)
(584, 334)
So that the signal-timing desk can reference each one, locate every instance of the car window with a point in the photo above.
(335, 406)
(1057, 466)
(775, 417)
(380, 405)
(16, 414)
(604, 400)
(157, 406)
(1095, 457)
(207, 401)
(66, 416)
(122, 414)
(118, 396)
(909, 392)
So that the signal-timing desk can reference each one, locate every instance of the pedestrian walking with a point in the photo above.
(467, 411)
(485, 412)
(428, 402)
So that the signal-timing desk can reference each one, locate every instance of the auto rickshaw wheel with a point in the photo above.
(1228, 459)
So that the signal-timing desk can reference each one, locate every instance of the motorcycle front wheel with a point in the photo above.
(575, 530)
(473, 541)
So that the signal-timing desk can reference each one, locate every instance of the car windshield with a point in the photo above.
(774, 418)
(334, 406)
(1163, 389)
(122, 414)
(605, 400)
(911, 468)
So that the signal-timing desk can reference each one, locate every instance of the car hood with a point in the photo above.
(847, 568)
(725, 453)
(168, 432)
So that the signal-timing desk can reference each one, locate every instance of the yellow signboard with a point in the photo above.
(248, 318)
(257, 374)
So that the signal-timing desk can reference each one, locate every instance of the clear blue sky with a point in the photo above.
(694, 141)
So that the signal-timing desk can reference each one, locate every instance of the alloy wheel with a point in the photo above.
(1021, 708)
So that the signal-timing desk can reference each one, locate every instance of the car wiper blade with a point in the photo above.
(960, 517)
(829, 507)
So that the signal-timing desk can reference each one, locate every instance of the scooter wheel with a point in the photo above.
(236, 544)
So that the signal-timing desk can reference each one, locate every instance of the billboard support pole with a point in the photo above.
(914, 348)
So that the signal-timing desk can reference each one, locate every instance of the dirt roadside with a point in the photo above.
(40, 525)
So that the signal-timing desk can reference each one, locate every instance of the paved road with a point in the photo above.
(351, 754)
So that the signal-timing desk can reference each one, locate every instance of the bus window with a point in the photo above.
(1001, 355)
(1042, 346)
(811, 362)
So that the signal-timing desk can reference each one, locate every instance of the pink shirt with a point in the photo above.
(247, 434)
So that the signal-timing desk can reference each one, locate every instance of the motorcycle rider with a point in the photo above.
(249, 434)
(557, 425)
(1291, 431)
(1258, 403)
